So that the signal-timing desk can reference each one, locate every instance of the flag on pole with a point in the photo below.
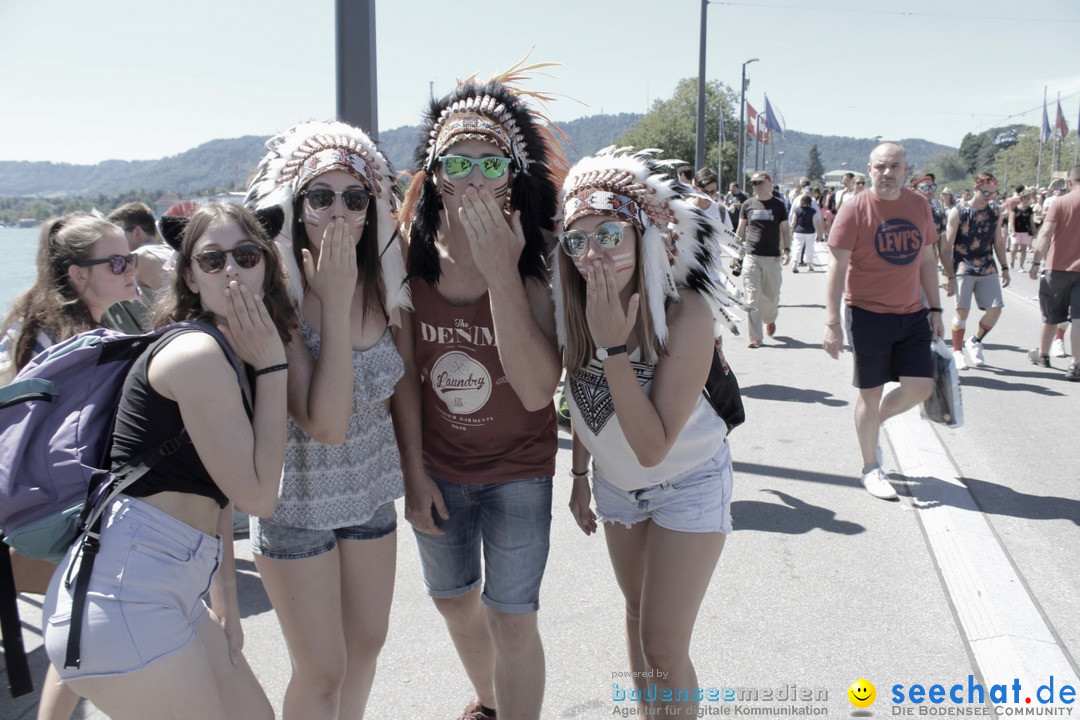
(773, 119)
(1044, 134)
(762, 131)
(751, 120)
(1059, 124)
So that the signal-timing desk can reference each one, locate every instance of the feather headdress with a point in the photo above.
(303, 152)
(680, 245)
(497, 112)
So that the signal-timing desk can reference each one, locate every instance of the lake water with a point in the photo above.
(18, 247)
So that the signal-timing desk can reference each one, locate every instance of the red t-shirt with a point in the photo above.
(886, 239)
(1065, 250)
(475, 429)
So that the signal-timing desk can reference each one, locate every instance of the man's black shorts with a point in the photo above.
(888, 346)
(1059, 296)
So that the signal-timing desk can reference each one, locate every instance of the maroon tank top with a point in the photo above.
(475, 429)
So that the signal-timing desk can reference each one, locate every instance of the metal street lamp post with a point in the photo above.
(742, 123)
(699, 146)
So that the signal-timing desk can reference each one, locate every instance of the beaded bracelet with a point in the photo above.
(272, 368)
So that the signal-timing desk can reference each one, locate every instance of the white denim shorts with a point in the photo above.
(697, 501)
(145, 599)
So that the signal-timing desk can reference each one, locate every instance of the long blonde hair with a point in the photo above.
(579, 348)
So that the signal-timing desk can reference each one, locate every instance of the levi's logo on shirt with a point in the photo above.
(897, 241)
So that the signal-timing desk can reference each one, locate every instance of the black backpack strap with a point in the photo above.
(90, 541)
(18, 669)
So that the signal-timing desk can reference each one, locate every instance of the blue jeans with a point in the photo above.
(512, 522)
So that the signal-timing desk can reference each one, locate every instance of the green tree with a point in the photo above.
(670, 126)
(814, 169)
(947, 167)
(971, 147)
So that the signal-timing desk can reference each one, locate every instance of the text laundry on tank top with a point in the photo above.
(475, 429)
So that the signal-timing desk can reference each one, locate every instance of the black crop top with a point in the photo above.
(145, 420)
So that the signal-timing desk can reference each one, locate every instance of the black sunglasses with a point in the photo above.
(355, 199)
(117, 263)
(246, 257)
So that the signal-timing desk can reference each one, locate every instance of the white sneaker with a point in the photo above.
(975, 352)
(1057, 348)
(960, 360)
(877, 484)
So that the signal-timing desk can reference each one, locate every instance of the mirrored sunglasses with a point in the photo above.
(458, 166)
(924, 187)
(608, 236)
(246, 257)
(117, 263)
(355, 199)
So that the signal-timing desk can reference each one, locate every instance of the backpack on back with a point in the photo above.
(56, 422)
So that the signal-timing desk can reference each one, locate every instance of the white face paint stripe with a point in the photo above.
(311, 216)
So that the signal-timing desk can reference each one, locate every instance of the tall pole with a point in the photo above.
(1038, 167)
(357, 89)
(720, 152)
(740, 170)
(699, 147)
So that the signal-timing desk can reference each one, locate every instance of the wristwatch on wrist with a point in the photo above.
(603, 353)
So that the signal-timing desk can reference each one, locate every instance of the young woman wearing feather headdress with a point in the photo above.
(638, 305)
(483, 334)
(327, 555)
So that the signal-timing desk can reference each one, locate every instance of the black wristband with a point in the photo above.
(937, 310)
(271, 369)
(577, 474)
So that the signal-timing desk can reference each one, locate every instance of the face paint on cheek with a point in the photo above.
(311, 217)
(449, 189)
(501, 190)
(623, 261)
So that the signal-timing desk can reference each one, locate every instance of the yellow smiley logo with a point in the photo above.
(862, 693)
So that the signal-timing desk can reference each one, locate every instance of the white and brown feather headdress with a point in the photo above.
(680, 245)
(305, 151)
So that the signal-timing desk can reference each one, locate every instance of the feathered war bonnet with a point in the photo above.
(496, 112)
(679, 247)
(303, 152)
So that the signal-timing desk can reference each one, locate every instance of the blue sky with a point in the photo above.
(123, 79)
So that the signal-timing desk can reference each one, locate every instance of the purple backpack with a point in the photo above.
(56, 422)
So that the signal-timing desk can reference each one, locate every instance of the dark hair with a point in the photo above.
(134, 214)
(805, 201)
(849, 175)
(367, 251)
(685, 173)
(534, 193)
(182, 303)
(1018, 189)
(52, 304)
(705, 176)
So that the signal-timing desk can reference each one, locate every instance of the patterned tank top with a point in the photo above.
(333, 486)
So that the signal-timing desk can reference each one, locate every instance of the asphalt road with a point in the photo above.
(972, 572)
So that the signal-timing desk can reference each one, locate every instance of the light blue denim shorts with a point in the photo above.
(285, 542)
(145, 599)
(510, 523)
(697, 501)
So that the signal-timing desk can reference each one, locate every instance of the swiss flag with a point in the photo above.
(751, 120)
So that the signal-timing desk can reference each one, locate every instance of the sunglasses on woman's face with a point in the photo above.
(355, 199)
(246, 257)
(924, 187)
(459, 166)
(608, 236)
(117, 263)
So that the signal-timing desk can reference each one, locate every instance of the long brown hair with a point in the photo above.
(52, 304)
(182, 304)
